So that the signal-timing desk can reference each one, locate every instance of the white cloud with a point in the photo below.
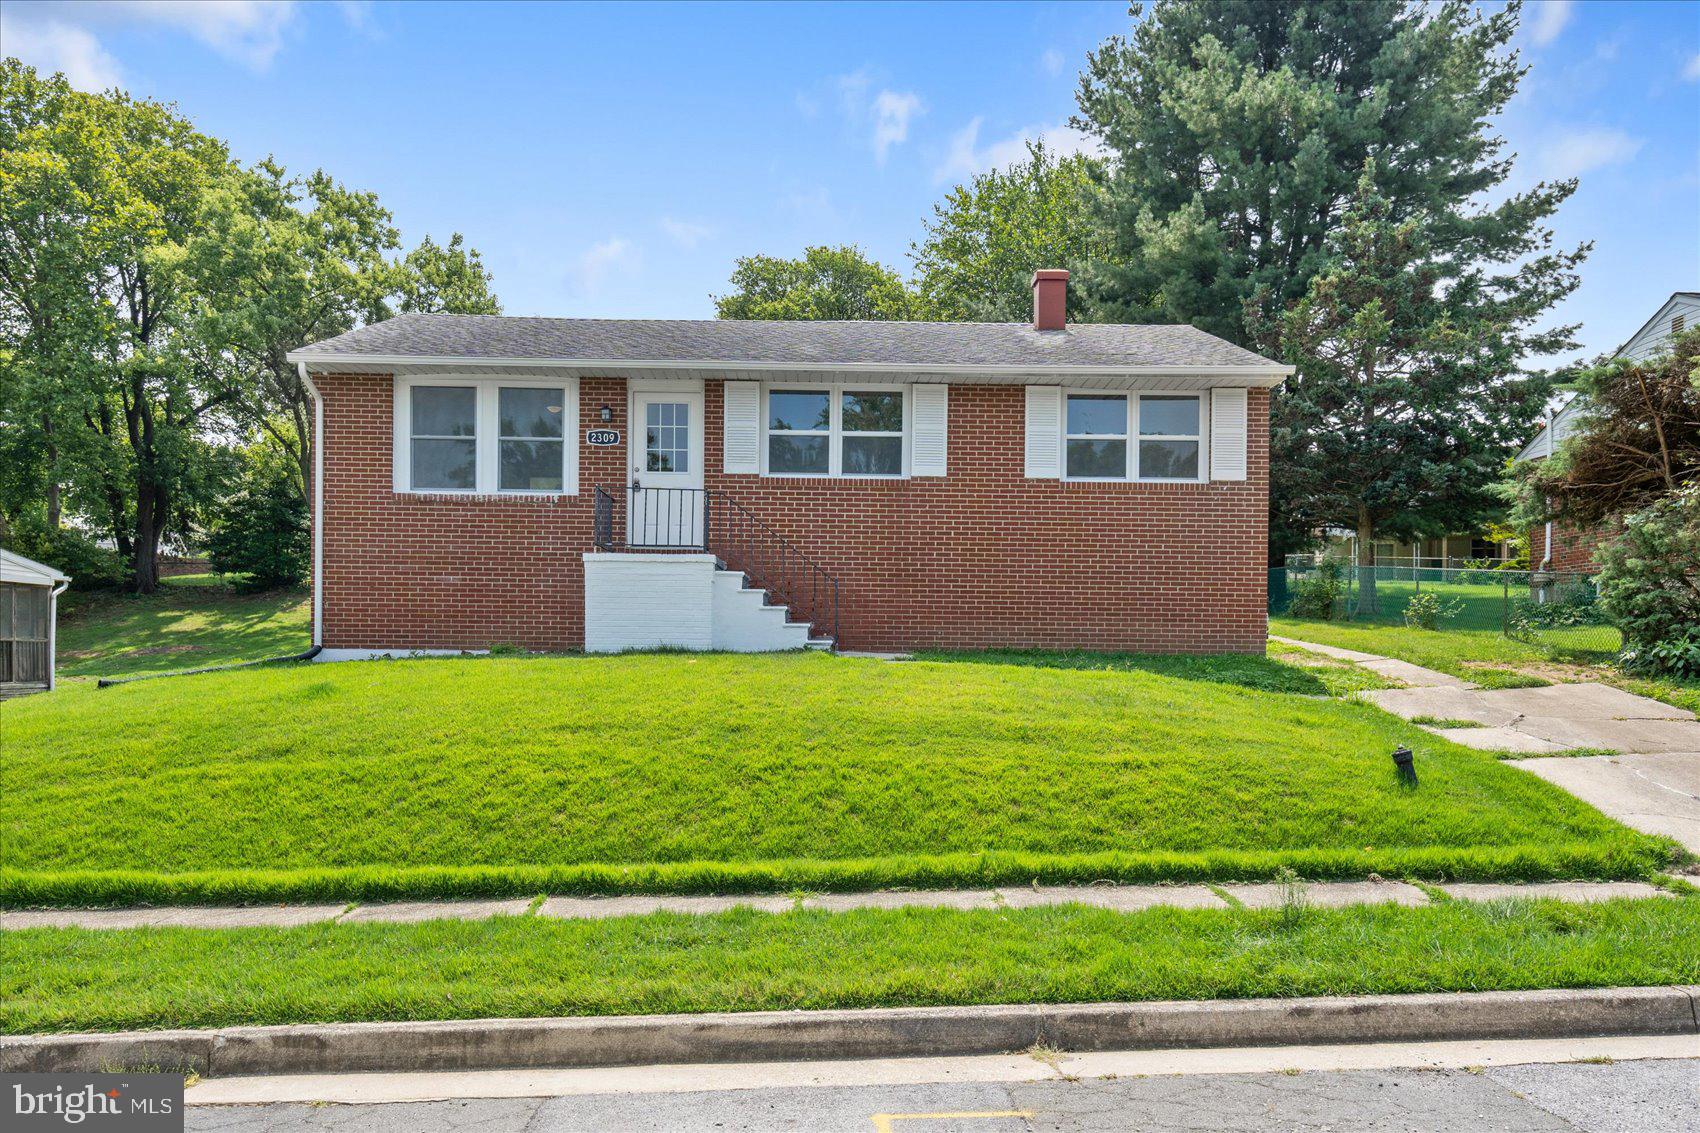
(615, 255)
(359, 15)
(966, 156)
(1691, 70)
(686, 233)
(892, 112)
(1586, 150)
(886, 113)
(1051, 60)
(49, 45)
(1551, 16)
(250, 32)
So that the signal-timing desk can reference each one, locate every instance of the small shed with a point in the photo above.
(29, 610)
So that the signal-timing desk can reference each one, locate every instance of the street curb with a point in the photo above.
(764, 1036)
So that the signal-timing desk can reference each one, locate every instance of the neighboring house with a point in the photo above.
(1561, 547)
(1446, 551)
(29, 613)
(560, 484)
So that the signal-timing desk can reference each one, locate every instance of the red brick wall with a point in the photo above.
(448, 572)
(980, 558)
(1572, 548)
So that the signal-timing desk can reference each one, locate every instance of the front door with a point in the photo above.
(666, 504)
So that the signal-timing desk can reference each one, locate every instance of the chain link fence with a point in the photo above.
(1558, 611)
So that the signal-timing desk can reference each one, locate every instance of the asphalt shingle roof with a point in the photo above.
(688, 341)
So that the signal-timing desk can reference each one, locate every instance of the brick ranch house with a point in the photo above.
(564, 484)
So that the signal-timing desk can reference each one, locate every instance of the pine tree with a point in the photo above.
(1239, 130)
(1407, 397)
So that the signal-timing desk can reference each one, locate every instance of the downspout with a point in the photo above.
(318, 505)
(53, 633)
(1546, 560)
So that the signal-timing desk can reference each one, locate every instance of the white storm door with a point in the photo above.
(666, 505)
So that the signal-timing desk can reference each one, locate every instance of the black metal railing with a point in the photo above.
(709, 520)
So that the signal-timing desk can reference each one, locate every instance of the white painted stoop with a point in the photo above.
(634, 600)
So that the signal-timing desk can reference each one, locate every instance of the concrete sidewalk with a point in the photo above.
(1120, 898)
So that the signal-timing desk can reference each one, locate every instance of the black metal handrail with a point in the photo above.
(709, 520)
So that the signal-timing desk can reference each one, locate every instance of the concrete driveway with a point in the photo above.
(1651, 784)
(1655, 792)
(1551, 719)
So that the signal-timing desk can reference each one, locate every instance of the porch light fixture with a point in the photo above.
(605, 413)
(1405, 762)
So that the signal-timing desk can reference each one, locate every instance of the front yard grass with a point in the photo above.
(75, 980)
(191, 622)
(725, 773)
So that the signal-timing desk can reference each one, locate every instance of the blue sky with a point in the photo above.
(613, 161)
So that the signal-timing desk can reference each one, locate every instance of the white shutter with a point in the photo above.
(741, 428)
(931, 411)
(1044, 432)
(1227, 434)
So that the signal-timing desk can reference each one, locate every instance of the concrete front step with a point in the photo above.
(1120, 898)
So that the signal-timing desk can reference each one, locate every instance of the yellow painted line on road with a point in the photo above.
(882, 1121)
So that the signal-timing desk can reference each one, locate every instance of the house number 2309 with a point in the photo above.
(602, 437)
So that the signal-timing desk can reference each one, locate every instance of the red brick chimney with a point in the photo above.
(1050, 298)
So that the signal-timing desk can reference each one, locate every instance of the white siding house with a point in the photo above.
(1679, 313)
(29, 608)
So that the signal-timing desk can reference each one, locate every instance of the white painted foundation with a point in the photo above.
(679, 601)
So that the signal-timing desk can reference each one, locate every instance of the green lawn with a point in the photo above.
(1485, 656)
(193, 621)
(74, 980)
(1272, 673)
(728, 773)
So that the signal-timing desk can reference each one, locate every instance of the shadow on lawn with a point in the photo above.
(1244, 670)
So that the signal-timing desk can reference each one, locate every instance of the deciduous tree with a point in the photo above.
(1637, 439)
(986, 238)
(826, 283)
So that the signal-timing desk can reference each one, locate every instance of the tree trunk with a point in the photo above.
(150, 526)
(53, 503)
(1366, 563)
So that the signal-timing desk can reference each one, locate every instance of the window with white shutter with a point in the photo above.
(741, 428)
(1228, 416)
(931, 428)
(1044, 432)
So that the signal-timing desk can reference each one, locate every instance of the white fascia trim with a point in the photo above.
(1270, 375)
(318, 503)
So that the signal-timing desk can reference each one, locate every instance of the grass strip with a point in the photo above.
(1612, 860)
(79, 980)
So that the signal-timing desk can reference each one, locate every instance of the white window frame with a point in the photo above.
(1126, 437)
(1133, 436)
(1140, 438)
(487, 434)
(834, 432)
